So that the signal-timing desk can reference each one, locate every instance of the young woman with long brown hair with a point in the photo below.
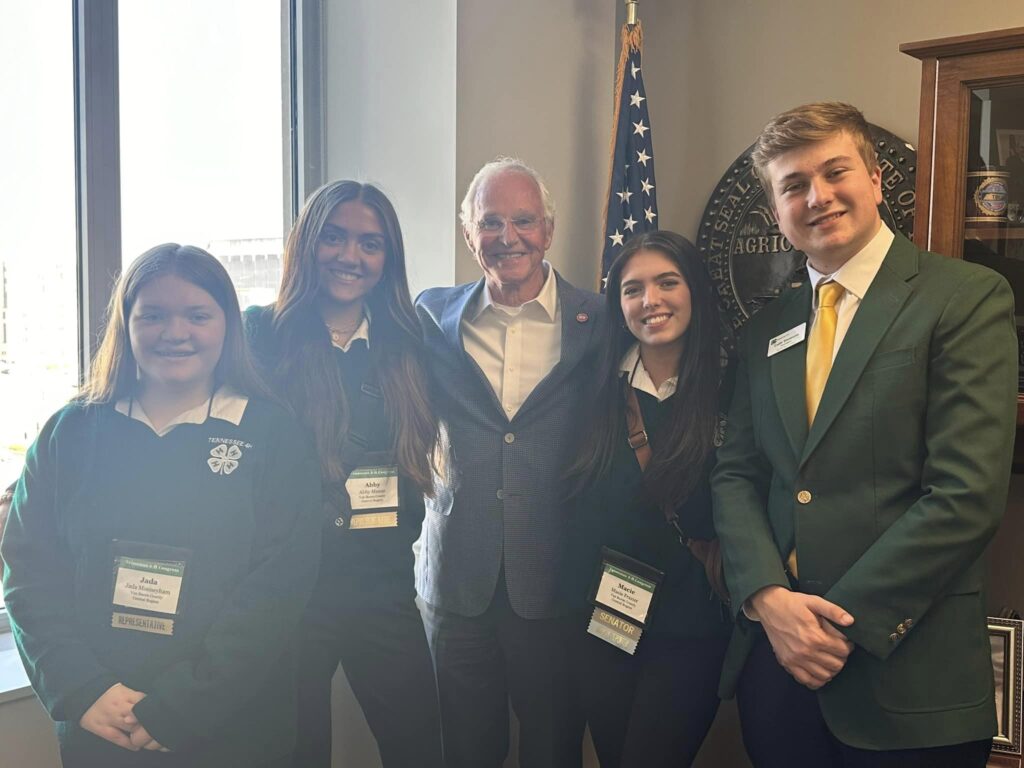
(342, 346)
(164, 537)
(648, 662)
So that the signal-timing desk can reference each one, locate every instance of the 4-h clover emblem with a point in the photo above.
(224, 458)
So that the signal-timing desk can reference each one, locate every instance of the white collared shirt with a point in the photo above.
(361, 332)
(227, 405)
(856, 276)
(641, 380)
(515, 347)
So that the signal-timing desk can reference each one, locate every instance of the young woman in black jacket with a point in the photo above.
(341, 345)
(649, 657)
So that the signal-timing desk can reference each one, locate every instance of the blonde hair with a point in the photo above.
(808, 124)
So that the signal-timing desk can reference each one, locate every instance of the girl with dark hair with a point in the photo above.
(342, 346)
(164, 538)
(649, 661)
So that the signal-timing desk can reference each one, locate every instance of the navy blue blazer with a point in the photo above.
(502, 504)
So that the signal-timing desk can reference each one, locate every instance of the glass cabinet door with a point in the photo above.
(993, 219)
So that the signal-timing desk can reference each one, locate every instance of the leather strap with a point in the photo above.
(707, 551)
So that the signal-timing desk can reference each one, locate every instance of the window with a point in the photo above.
(138, 123)
(202, 134)
(38, 282)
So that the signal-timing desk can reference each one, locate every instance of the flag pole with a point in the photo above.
(631, 12)
(630, 206)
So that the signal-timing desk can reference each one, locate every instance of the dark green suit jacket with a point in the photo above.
(890, 498)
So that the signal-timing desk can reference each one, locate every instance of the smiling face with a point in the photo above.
(350, 254)
(826, 200)
(655, 300)
(176, 330)
(509, 236)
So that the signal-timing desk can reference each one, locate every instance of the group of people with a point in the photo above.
(516, 490)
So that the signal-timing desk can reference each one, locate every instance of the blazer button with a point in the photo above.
(500, 494)
(908, 623)
(804, 497)
(510, 438)
(901, 629)
(894, 638)
(339, 522)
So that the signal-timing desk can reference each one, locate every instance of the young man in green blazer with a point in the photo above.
(864, 470)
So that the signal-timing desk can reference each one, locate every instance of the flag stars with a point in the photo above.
(629, 223)
(647, 186)
(634, 69)
(640, 128)
(642, 157)
(650, 215)
(636, 98)
(616, 238)
(624, 195)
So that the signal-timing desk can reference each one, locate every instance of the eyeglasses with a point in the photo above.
(495, 224)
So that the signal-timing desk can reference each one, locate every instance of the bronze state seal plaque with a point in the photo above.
(749, 259)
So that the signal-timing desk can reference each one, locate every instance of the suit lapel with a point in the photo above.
(882, 303)
(579, 317)
(451, 327)
(788, 367)
(455, 309)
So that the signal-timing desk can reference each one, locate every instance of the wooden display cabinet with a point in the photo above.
(970, 204)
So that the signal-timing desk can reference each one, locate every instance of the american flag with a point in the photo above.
(632, 206)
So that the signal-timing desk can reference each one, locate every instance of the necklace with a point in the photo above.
(341, 335)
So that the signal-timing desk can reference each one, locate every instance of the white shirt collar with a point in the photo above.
(362, 332)
(227, 405)
(546, 300)
(642, 379)
(857, 274)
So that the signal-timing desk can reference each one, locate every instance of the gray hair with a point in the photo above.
(493, 168)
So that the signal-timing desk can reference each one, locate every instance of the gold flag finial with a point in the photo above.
(631, 12)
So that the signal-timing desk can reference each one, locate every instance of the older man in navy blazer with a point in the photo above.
(512, 356)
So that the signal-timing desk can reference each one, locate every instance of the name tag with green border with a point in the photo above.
(149, 583)
(373, 493)
(623, 595)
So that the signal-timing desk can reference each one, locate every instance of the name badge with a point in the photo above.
(148, 585)
(374, 520)
(373, 493)
(623, 598)
(786, 340)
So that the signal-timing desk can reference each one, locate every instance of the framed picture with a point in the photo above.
(1006, 637)
(1009, 143)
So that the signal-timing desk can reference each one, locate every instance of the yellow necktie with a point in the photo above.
(820, 345)
(819, 361)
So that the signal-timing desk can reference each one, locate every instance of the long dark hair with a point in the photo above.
(112, 374)
(687, 440)
(306, 373)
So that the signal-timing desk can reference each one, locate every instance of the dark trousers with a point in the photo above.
(653, 709)
(485, 660)
(383, 651)
(783, 727)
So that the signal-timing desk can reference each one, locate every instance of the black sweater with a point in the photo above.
(358, 566)
(617, 513)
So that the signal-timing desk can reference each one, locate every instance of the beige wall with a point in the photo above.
(717, 70)
(27, 739)
(535, 80)
(389, 89)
